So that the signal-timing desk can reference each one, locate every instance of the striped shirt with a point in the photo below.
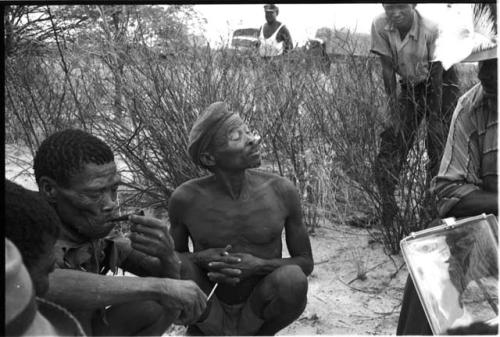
(469, 161)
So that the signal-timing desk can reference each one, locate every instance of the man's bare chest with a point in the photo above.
(255, 220)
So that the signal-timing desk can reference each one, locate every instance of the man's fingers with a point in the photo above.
(223, 278)
(219, 261)
(226, 270)
(146, 249)
(153, 238)
(142, 240)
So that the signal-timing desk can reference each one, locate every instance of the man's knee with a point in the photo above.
(133, 318)
(290, 284)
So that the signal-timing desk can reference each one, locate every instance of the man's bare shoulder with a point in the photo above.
(188, 190)
(275, 181)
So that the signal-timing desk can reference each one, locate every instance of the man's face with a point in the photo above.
(400, 15)
(270, 16)
(90, 200)
(488, 76)
(237, 148)
(45, 265)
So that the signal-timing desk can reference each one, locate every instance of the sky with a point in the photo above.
(302, 19)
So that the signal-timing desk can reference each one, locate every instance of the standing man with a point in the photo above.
(274, 37)
(405, 42)
(235, 219)
(76, 173)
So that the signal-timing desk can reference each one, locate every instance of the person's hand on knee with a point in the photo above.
(184, 296)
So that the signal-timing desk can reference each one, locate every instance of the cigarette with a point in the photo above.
(212, 291)
(126, 216)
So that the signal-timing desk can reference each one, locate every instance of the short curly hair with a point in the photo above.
(29, 221)
(64, 153)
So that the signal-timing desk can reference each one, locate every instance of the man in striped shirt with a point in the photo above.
(466, 184)
(467, 181)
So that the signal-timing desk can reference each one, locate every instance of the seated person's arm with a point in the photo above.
(475, 203)
(80, 290)
(455, 186)
(297, 241)
(296, 236)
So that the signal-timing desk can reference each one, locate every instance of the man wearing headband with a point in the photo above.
(77, 175)
(405, 42)
(274, 37)
(467, 182)
(235, 218)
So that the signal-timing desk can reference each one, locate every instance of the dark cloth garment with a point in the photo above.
(98, 256)
(412, 319)
(415, 103)
(64, 322)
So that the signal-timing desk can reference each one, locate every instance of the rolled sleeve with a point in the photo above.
(449, 193)
(380, 41)
(460, 166)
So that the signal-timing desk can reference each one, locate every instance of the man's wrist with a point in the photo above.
(172, 264)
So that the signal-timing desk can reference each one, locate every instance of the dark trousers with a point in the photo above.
(414, 105)
(412, 319)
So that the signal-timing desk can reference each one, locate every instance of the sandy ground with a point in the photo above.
(339, 303)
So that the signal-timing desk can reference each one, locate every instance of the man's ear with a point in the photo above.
(207, 159)
(48, 188)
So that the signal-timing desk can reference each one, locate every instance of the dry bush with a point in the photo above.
(320, 129)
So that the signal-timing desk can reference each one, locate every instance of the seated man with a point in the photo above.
(33, 226)
(235, 219)
(77, 175)
(467, 181)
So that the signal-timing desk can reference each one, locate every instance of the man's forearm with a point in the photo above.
(475, 203)
(79, 290)
(267, 266)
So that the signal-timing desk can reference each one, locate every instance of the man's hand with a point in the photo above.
(247, 266)
(150, 236)
(210, 259)
(185, 296)
(203, 258)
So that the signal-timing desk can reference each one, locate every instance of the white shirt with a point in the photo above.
(270, 46)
